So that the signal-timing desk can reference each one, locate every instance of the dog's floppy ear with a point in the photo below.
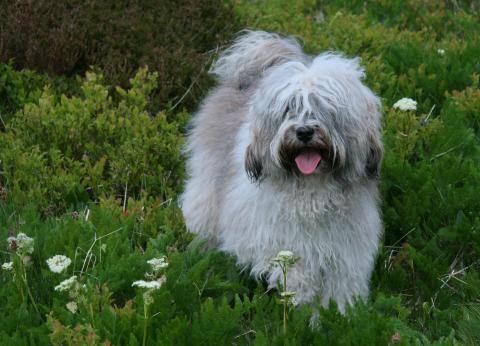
(374, 156)
(253, 165)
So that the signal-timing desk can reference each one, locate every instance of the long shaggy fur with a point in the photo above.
(246, 194)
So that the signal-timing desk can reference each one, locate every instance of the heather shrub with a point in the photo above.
(67, 37)
(65, 151)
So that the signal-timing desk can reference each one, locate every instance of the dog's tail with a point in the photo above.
(251, 54)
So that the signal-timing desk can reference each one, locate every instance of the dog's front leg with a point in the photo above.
(344, 285)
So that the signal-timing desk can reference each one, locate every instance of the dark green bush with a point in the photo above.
(17, 89)
(64, 151)
(67, 37)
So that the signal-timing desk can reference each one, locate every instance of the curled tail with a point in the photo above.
(251, 54)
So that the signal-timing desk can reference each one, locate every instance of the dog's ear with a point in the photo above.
(374, 156)
(253, 165)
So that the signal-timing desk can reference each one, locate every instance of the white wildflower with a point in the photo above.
(22, 244)
(285, 258)
(405, 104)
(72, 307)
(287, 294)
(67, 285)
(58, 263)
(441, 51)
(72, 286)
(293, 301)
(7, 266)
(147, 284)
(154, 285)
(25, 243)
(158, 263)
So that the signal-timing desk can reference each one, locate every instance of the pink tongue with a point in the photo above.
(307, 162)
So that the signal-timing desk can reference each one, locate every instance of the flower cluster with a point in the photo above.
(158, 263)
(72, 286)
(154, 284)
(21, 247)
(7, 266)
(156, 279)
(74, 290)
(66, 285)
(405, 104)
(284, 260)
(21, 244)
(58, 263)
(72, 307)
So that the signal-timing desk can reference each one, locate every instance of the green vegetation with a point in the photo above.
(61, 151)
(93, 172)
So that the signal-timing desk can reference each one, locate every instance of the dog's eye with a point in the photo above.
(289, 113)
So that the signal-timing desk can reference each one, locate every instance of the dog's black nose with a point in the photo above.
(304, 133)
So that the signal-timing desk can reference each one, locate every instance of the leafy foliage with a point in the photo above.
(17, 89)
(66, 151)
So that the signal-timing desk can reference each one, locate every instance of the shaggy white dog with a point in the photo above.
(284, 154)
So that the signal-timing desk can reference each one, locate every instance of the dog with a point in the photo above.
(285, 154)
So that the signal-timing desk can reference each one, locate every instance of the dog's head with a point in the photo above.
(316, 118)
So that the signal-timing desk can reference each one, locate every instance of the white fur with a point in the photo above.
(332, 225)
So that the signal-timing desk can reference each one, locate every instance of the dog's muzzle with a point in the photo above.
(302, 150)
(306, 159)
(304, 133)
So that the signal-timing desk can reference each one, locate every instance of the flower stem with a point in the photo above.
(145, 314)
(285, 302)
(91, 315)
(25, 281)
